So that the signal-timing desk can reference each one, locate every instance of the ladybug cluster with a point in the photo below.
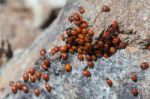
(80, 40)
(33, 76)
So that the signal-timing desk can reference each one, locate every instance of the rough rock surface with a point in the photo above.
(15, 24)
(131, 14)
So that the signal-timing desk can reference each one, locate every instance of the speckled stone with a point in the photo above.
(131, 14)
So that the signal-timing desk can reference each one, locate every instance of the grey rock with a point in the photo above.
(131, 14)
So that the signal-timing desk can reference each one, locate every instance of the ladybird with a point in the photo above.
(94, 57)
(134, 92)
(46, 77)
(14, 89)
(90, 64)
(84, 25)
(81, 10)
(86, 73)
(100, 43)
(76, 16)
(68, 67)
(31, 71)
(113, 50)
(42, 52)
(84, 31)
(63, 49)
(134, 77)
(26, 77)
(46, 62)
(45, 67)
(90, 32)
(64, 56)
(122, 45)
(53, 52)
(48, 87)
(105, 8)
(88, 57)
(25, 88)
(109, 82)
(106, 34)
(80, 57)
(19, 85)
(37, 92)
(115, 25)
(144, 65)
(78, 29)
(38, 75)
(32, 78)
(57, 49)
(77, 23)
(106, 55)
(116, 40)
(70, 18)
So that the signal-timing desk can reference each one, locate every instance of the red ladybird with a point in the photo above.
(38, 75)
(37, 92)
(134, 92)
(84, 25)
(19, 85)
(45, 67)
(80, 57)
(86, 73)
(90, 32)
(14, 89)
(90, 64)
(113, 50)
(78, 29)
(134, 77)
(42, 52)
(76, 16)
(81, 10)
(115, 25)
(25, 88)
(109, 82)
(105, 8)
(32, 70)
(46, 62)
(122, 45)
(70, 18)
(64, 56)
(144, 65)
(116, 40)
(88, 57)
(53, 52)
(48, 87)
(46, 77)
(32, 78)
(26, 77)
(57, 49)
(106, 34)
(68, 67)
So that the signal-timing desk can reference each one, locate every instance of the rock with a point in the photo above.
(130, 15)
(25, 19)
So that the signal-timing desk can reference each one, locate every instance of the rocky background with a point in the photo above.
(133, 17)
(21, 21)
